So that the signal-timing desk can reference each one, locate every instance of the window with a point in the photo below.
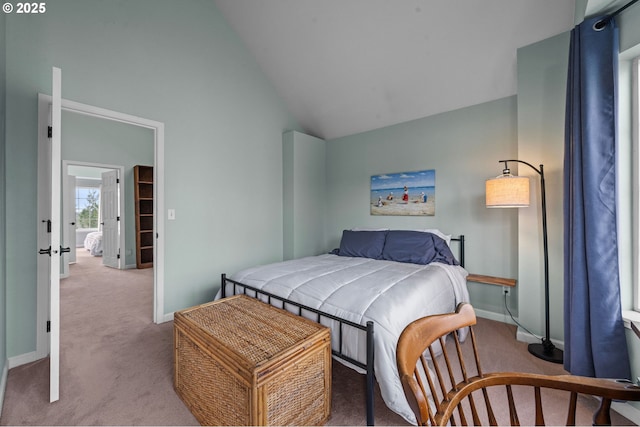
(87, 207)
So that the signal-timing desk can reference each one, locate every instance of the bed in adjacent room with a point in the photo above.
(93, 243)
(384, 278)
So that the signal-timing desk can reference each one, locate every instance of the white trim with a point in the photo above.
(627, 410)
(22, 359)
(3, 384)
(42, 342)
(630, 316)
(169, 317)
(524, 336)
(499, 317)
(521, 334)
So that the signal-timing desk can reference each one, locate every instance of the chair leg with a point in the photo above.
(603, 416)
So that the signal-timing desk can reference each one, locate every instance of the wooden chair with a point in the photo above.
(467, 401)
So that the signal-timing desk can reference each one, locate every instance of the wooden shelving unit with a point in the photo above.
(143, 196)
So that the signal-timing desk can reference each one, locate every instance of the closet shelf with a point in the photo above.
(143, 195)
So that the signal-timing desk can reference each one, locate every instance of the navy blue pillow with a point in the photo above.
(366, 244)
(416, 247)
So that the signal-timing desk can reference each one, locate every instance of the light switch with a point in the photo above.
(171, 214)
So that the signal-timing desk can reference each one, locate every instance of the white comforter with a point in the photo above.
(389, 293)
(93, 243)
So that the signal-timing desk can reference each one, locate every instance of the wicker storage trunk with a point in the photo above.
(239, 361)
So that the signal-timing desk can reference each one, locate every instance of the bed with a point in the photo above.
(93, 243)
(375, 284)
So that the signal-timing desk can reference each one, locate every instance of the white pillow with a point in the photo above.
(445, 237)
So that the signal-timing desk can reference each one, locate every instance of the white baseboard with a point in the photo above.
(167, 317)
(627, 410)
(525, 336)
(499, 317)
(3, 384)
(521, 334)
(22, 359)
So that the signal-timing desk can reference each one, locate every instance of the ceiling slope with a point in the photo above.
(348, 66)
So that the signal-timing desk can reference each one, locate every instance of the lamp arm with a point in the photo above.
(539, 171)
(547, 340)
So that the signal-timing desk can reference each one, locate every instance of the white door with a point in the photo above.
(56, 248)
(110, 213)
(69, 223)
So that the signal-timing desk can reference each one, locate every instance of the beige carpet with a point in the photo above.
(117, 366)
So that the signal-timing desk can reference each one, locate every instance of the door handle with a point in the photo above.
(48, 251)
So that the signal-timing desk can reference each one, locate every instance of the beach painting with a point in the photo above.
(404, 193)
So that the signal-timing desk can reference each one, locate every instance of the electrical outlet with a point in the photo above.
(506, 290)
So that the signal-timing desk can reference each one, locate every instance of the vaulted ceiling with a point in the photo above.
(348, 66)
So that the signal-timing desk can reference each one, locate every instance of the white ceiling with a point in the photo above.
(348, 66)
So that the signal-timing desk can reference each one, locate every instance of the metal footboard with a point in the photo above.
(368, 328)
(241, 288)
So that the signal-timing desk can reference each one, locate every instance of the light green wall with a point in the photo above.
(93, 140)
(304, 213)
(629, 29)
(542, 76)
(3, 239)
(463, 147)
(174, 62)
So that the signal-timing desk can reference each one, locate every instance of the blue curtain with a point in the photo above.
(595, 343)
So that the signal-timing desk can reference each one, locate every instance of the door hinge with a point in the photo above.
(50, 132)
(118, 256)
(117, 180)
(48, 221)
(118, 218)
(48, 325)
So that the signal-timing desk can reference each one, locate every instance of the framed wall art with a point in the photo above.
(404, 193)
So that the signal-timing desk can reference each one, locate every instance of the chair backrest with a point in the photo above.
(445, 384)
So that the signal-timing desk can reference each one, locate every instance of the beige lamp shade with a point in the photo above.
(507, 191)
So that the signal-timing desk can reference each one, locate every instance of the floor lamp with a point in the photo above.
(509, 191)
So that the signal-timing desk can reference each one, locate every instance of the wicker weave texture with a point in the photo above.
(200, 385)
(264, 331)
(239, 361)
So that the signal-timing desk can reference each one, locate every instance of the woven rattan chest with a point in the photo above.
(239, 361)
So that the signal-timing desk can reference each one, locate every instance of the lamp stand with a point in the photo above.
(545, 350)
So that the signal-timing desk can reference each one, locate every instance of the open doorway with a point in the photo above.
(73, 110)
(93, 202)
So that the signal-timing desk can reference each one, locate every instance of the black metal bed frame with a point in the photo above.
(368, 328)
